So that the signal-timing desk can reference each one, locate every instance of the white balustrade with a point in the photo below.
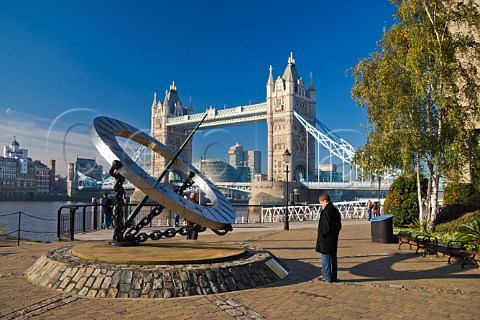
(348, 210)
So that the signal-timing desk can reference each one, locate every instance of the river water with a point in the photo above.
(38, 219)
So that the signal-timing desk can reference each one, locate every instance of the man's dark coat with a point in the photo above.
(329, 227)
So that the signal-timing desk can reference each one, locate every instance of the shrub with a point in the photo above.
(402, 200)
(470, 232)
(421, 226)
(462, 193)
(454, 225)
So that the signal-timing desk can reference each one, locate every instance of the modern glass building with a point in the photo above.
(220, 171)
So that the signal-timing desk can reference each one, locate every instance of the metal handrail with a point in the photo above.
(68, 222)
(72, 214)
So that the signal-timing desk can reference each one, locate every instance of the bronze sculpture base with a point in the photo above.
(164, 252)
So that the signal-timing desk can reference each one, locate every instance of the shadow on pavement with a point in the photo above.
(300, 271)
(382, 270)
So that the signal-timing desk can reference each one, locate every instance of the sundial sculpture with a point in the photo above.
(218, 217)
(101, 270)
(89, 269)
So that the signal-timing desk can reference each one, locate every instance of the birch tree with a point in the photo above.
(420, 89)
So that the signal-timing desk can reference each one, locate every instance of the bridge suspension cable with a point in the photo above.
(336, 145)
(139, 152)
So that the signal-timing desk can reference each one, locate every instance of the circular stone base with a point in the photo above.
(165, 252)
(97, 270)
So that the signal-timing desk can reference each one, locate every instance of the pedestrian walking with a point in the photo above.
(369, 209)
(107, 210)
(375, 209)
(176, 220)
(329, 226)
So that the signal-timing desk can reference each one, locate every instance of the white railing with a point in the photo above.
(295, 213)
(311, 212)
(227, 112)
(259, 107)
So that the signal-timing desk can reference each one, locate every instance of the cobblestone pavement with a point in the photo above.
(377, 281)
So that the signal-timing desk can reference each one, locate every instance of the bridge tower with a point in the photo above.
(285, 95)
(172, 137)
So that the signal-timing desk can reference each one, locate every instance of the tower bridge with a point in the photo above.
(290, 114)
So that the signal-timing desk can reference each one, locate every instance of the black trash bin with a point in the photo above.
(382, 229)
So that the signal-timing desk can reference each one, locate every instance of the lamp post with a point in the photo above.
(286, 160)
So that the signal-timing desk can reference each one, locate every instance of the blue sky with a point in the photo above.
(62, 63)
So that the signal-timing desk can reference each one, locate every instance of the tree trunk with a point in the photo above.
(429, 193)
(421, 216)
(433, 204)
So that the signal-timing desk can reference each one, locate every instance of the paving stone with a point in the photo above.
(112, 293)
(98, 282)
(89, 282)
(371, 274)
(106, 282)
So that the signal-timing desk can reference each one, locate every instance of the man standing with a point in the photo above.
(329, 226)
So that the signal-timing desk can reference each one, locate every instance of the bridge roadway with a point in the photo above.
(247, 186)
(355, 185)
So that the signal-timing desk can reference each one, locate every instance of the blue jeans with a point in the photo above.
(105, 220)
(329, 267)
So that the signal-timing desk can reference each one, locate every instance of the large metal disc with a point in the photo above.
(104, 132)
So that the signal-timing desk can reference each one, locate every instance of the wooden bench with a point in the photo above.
(470, 256)
(427, 244)
(458, 250)
(452, 249)
(406, 238)
(422, 242)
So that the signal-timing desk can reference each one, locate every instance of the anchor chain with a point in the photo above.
(167, 233)
(118, 202)
(133, 231)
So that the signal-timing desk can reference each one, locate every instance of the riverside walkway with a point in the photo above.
(377, 281)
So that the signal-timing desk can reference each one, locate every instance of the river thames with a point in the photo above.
(38, 218)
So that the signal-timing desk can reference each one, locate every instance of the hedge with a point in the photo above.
(462, 193)
(402, 200)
